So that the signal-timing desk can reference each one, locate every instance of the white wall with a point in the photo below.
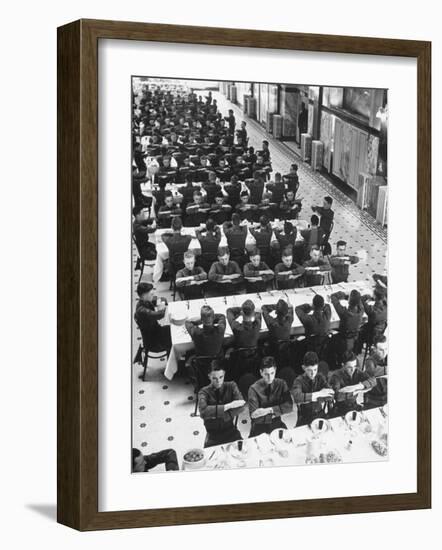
(28, 344)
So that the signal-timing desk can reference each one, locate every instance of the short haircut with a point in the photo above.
(282, 308)
(329, 200)
(254, 252)
(188, 178)
(278, 176)
(348, 357)
(207, 315)
(318, 301)
(294, 166)
(143, 288)
(355, 298)
(268, 363)
(210, 224)
(264, 221)
(219, 195)
(288, 251)
(137, 209)
(189, 254)
(288, 228)
(381, 339)
(168, 195)
(215, 365)
(248, 308)
(234, 179)
(197, 193)
(289, 191)
(236, 219)
(314, 220)
(310, 359)
(176, 224)
(265, 142)
(135, 454)
(341, 243)
(223, 250)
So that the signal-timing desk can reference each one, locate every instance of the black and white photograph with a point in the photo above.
(259, 269)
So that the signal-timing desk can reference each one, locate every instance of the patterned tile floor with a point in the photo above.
(163, 410)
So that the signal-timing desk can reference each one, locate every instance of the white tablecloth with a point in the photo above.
(182, 342)
(351, 445)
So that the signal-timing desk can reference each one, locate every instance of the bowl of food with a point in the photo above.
(194, 459)
(332, 456)
(380, 445)
(320, 426)
(179, 314)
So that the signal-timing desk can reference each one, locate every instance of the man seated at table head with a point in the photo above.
(288, 273)
(191, 278)
(316, 321)
(311, 390)
(257, 273)
(144, 463)
(168, 211)
(142, 227)
(340, 263)
(349, 383)
(225, 274)
(207, 332)
(148, 311)
(268, 399)
(376, 365)
(219, 403)
(315, 268)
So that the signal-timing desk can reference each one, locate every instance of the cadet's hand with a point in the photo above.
(234, 404)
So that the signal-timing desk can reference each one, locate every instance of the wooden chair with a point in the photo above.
(143, 355)
(141, 260)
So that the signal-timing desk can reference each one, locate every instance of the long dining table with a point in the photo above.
(190, 309)
(163, 251)
(339, 441)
